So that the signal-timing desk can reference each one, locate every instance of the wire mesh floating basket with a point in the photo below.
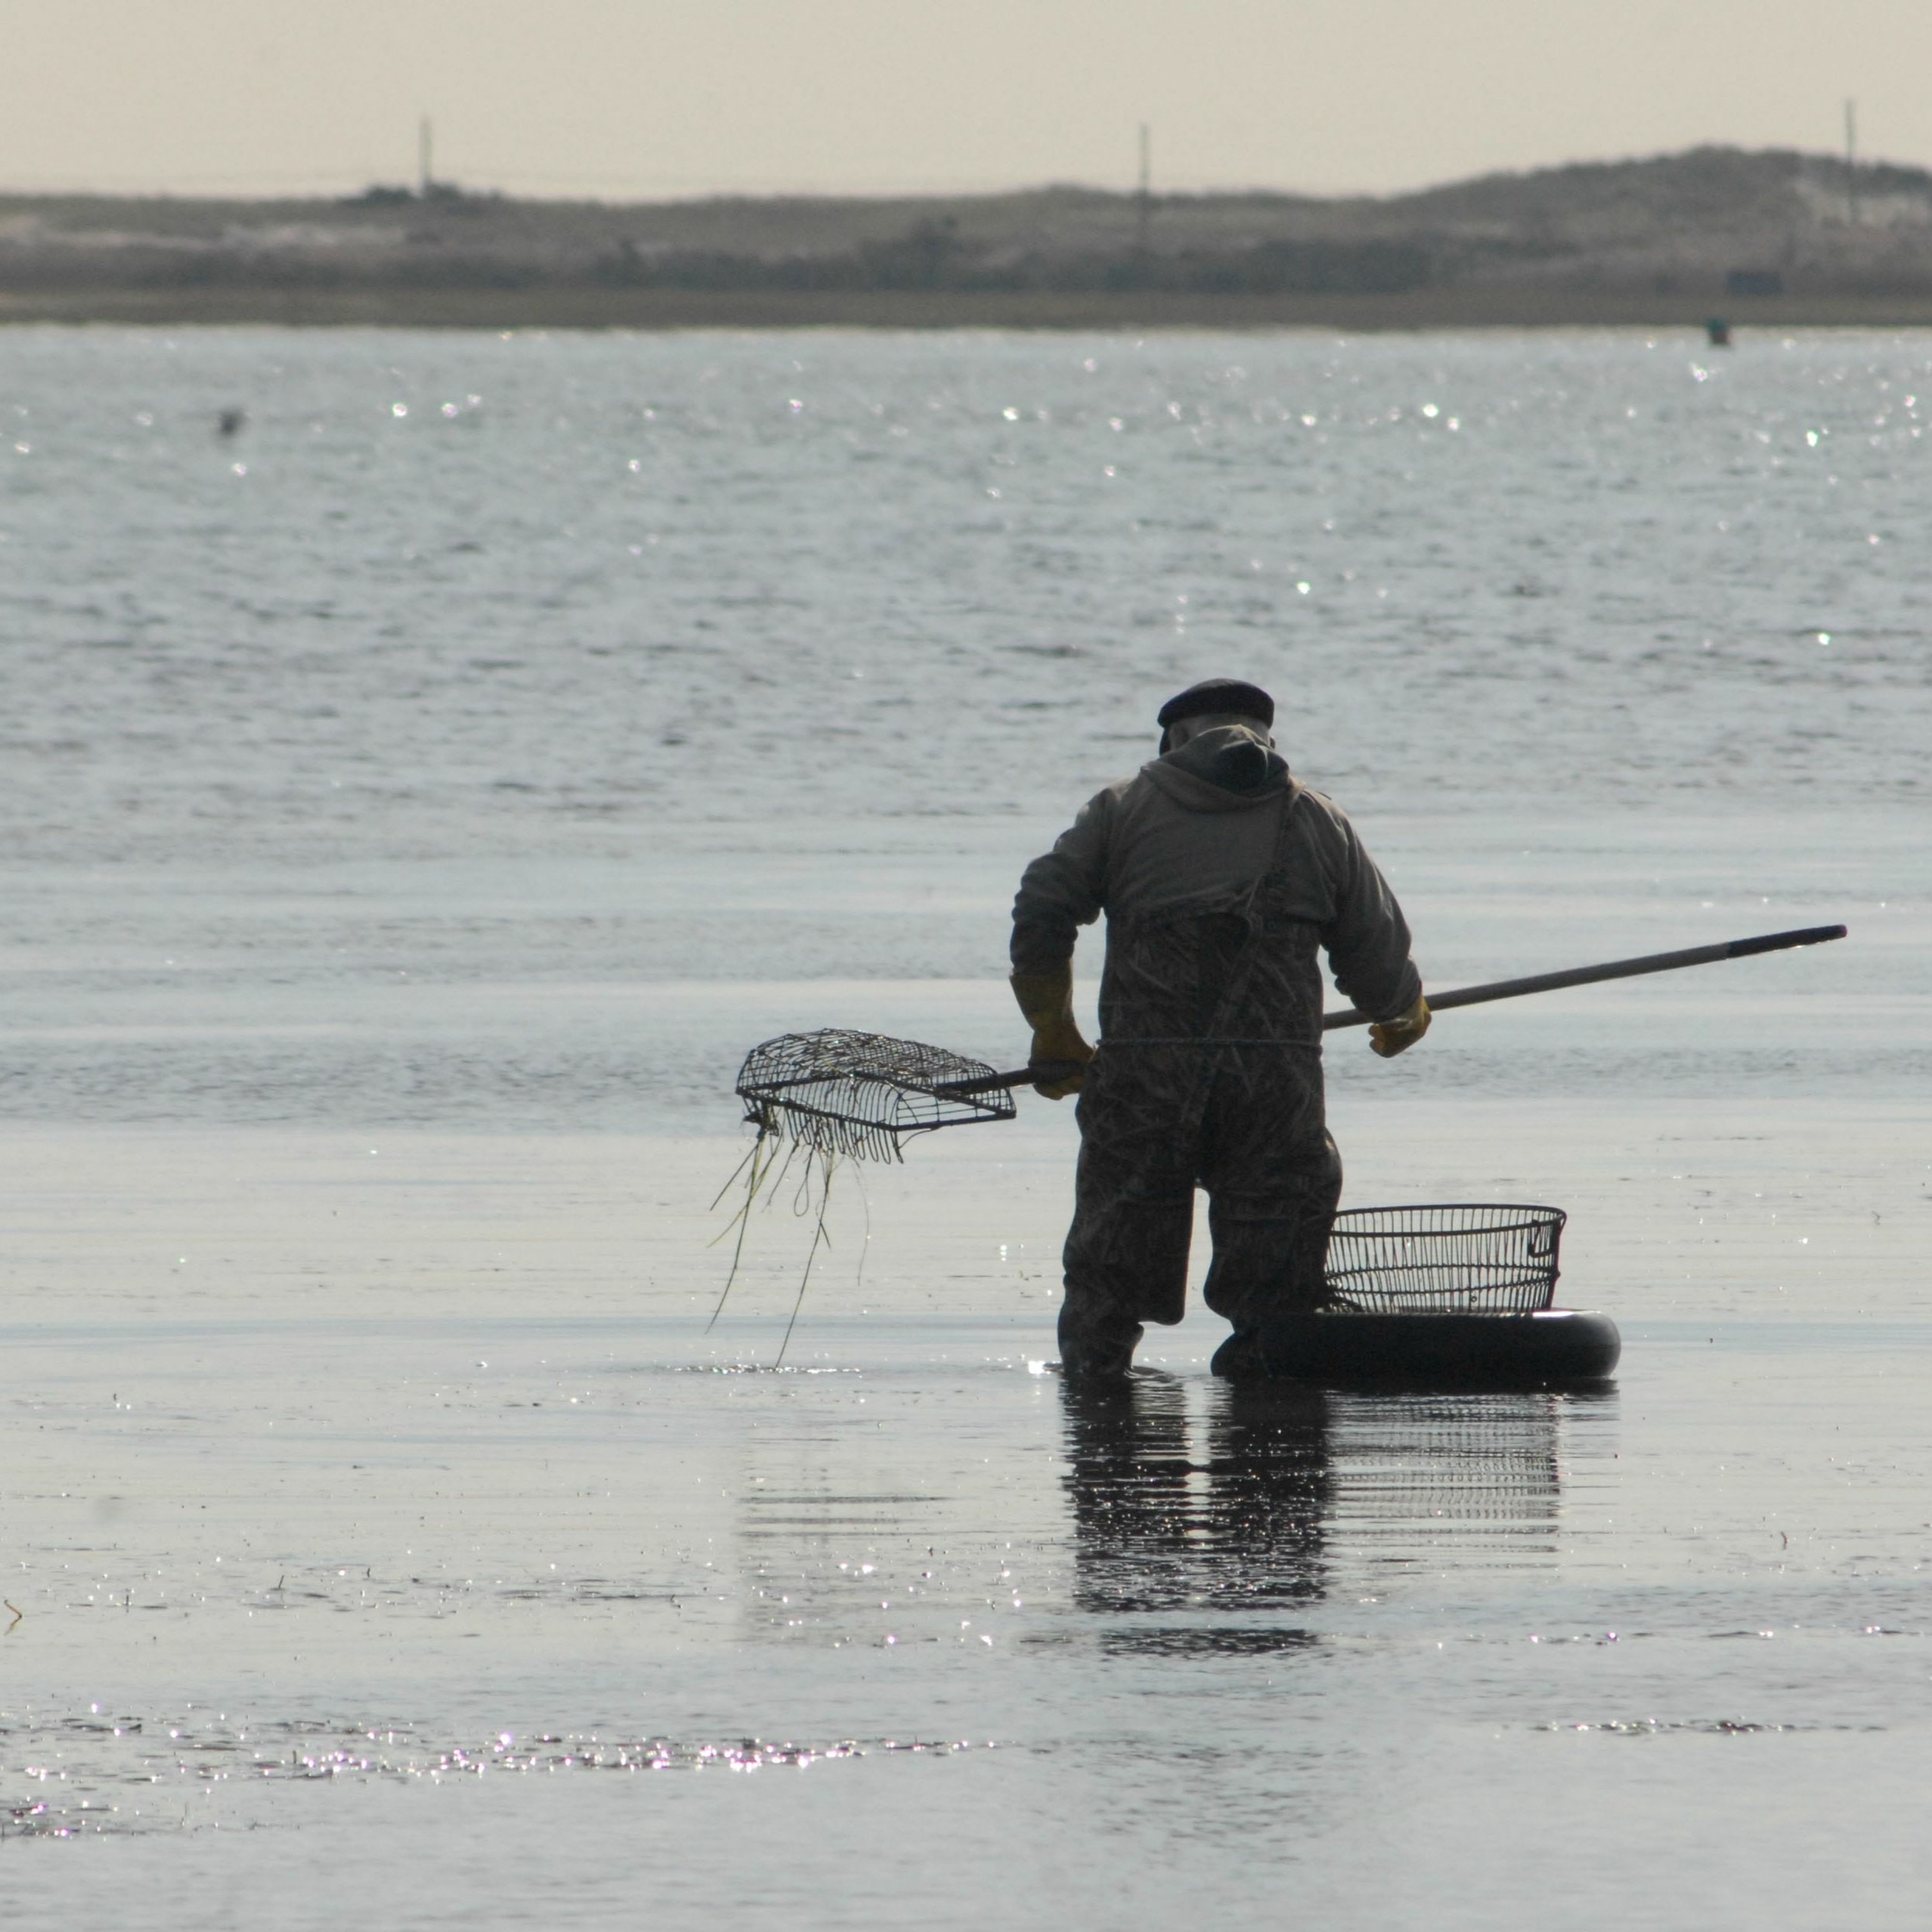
(1452, 1258)
(838, 1092)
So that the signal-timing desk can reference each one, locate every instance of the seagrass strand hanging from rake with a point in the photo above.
(842, 1095)
(861, 1094)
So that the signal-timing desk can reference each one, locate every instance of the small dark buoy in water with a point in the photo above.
(1719, 330)
(231, 421)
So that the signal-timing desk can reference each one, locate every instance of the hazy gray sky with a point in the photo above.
(616, 97)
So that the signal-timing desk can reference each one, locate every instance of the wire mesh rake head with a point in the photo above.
(1456, 1259)
(861, 1094)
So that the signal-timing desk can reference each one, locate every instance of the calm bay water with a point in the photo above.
(418, 800)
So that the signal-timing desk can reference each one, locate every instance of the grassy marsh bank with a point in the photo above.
(593, 308)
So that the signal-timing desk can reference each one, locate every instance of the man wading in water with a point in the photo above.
(1220, 875)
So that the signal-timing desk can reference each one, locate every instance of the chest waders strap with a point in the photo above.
(1225, 940)
(1222, 1014)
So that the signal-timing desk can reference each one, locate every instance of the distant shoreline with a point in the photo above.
(1767, 241)
(593, 307)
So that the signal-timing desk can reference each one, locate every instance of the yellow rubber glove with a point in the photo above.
(1047, 1001)
(1390, 1037)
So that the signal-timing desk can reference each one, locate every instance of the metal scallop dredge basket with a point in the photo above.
(1451, 1258)
(860, 1094)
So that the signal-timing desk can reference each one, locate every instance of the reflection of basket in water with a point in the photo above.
(1444, 1260)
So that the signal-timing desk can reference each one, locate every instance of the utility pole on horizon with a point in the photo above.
(1144, 201)
(1851, 161)
(425, 157)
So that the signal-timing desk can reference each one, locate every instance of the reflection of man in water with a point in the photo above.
(1149, 1537)
(1195, 1510)
(1221, 875)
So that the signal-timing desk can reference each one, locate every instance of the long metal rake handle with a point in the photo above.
(1020, 1076)
(1478, 996)
(1616, 969)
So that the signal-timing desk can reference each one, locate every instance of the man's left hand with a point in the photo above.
(1047, 1001)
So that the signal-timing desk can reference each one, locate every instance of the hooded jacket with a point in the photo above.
(1195, 831)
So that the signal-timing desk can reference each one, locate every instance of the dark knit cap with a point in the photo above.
(1216, 694)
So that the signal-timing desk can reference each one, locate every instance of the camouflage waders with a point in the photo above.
(1209, 1075)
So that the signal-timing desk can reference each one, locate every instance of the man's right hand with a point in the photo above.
(1390, 1037)
(1046, 999)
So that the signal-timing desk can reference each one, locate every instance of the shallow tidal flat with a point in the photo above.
(422, 797)
(403, 1489)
